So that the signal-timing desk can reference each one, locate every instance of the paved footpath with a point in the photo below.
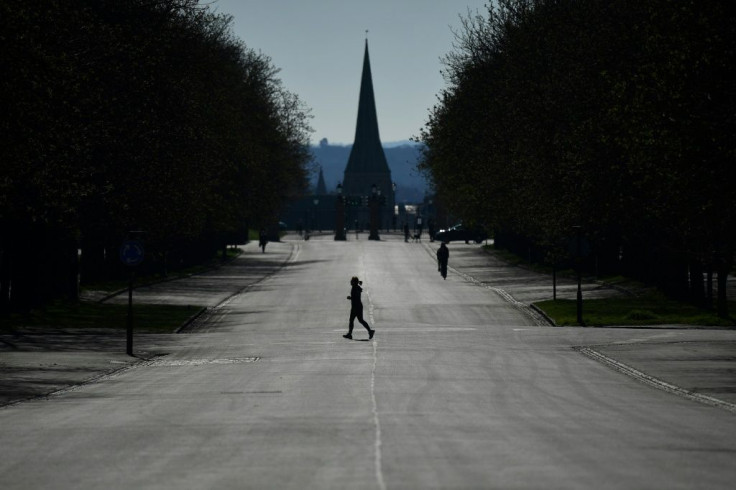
(36, 363)
(700, 364)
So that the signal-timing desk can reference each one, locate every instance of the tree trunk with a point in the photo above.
(722, 302)
(697, 286)
(724, 267)
(5, 264)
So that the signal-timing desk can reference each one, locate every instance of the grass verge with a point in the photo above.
(62, 315)
(646, 307)
(650, 309)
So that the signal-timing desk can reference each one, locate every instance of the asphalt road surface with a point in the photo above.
(460, 388)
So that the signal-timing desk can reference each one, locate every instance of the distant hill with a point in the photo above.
(402, 158)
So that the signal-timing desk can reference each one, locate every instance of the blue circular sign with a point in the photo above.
(131, 252)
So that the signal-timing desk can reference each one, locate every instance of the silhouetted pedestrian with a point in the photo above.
(406, 232)
(262, 240)
(356, 308)
(443, 256)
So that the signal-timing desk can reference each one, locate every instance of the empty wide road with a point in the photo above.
(458, 389)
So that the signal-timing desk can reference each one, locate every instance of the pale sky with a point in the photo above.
(318, 45)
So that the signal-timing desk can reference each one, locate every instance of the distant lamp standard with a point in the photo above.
(315, 220)
(393, 206)
(340, 218)
(374, 214)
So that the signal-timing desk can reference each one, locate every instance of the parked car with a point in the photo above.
(460, 233)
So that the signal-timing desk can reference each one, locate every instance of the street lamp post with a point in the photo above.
(315, 215)
(340, 215)
(379, 214)
(393, 205)
(374, 214)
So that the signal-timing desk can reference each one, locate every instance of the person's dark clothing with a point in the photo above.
(356, 309)
(262, 240)
(443, 256)
(354, 297)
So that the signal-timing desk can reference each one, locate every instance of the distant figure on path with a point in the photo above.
(443, 255)
(406, 232)
(356, 308)
(262, 240)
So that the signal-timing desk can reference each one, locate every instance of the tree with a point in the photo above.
(614, 116)
(133, 115)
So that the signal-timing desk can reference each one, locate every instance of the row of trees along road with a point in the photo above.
(122, 115)
(615, 116)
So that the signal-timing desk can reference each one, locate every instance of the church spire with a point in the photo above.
(367, 170)
(367, 154)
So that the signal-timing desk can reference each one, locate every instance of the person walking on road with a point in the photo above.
(443, 255)
(356, 308)
(262, 240)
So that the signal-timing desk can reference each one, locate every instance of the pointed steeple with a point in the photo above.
(321, 188)
(367, 169)
(366, 156)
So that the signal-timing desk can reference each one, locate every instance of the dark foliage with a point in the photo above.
(124, 115)
(616, 116)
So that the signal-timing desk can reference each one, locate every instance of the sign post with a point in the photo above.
(131, 254)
